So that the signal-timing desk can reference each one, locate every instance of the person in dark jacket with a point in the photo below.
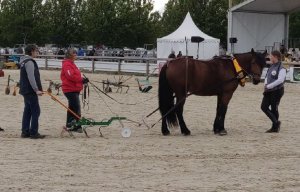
(172, 55)
(30, 88)
(72, 84)
(179, 54)
(274, 90)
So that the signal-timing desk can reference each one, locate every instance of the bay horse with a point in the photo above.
(184, 76)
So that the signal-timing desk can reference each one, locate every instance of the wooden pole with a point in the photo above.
(56, 99)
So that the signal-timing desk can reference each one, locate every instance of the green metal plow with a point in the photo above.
(84, 123)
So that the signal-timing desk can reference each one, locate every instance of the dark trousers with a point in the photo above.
(74, 105)
(31, 114)
(272, 99)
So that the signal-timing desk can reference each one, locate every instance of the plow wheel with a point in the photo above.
(126, 132)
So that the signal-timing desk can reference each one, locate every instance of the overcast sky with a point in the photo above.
(159, 5)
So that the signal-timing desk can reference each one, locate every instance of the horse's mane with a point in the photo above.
(259, 56)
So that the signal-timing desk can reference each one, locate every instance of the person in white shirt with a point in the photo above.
(274, 90)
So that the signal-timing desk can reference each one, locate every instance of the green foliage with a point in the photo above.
(235, 2)
(110, 22)
(295, 25)
(17, 20)
(116, 23)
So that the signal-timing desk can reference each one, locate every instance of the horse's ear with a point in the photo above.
(252, 51)
(265, 53)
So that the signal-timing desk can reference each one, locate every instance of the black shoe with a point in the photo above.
(278, 126)
(275, 128)
(77, 129)
(37, 136)
(272, 130)
(25, 135)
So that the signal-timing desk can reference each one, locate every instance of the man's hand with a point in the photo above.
(39, 93)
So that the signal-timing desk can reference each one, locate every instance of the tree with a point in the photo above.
(63, 22)
(18, 20)
(295, 25)
(119, 23)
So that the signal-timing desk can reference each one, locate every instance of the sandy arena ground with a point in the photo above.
(247, 159)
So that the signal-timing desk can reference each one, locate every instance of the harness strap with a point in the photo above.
(186, 75)
(86, 96)
(238, 69)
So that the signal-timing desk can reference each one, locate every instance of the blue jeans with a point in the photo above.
(31, 114)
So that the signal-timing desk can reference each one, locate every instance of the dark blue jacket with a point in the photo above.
(25, 86)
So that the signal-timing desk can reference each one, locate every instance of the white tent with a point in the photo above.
(176, 41)
(260, 24)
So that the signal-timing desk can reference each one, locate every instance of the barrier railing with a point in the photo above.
(100, 63)
(123, 64)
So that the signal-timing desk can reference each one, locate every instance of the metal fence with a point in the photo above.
(106, 64)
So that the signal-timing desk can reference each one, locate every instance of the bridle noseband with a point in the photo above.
(251, 74)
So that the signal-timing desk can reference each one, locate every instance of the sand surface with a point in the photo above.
(247, 159)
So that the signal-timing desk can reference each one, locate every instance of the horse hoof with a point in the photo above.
(222, 132)
(166, 133)
(186, 133)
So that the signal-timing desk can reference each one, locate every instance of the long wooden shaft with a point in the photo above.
(62, 104)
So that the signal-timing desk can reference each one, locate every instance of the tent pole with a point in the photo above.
(229, 30)
(230, 4)
(186, 49)
(198, 51)
(286, 31)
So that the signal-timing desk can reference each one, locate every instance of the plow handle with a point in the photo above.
(62, 104)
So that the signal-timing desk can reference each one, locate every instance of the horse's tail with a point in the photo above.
(165, 98)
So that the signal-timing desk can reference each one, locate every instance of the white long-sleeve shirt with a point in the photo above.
(280, 80)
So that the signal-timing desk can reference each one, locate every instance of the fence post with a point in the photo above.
(93, 65)
(119, 66)
(46, 62)
(147, 67)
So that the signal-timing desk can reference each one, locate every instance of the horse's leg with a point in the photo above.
(222, 113)
(217, 119)
(179, 112)
(164, 127)
(223, 101)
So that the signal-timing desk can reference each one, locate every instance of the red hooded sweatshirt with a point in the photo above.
(70, 77)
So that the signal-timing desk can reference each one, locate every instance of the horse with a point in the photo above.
(185, 76)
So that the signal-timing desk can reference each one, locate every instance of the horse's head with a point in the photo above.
(257, 63)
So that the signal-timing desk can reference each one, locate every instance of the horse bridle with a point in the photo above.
(252, 74)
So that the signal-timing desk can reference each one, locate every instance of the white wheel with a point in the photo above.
(126, 132)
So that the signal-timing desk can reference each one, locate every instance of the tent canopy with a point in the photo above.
(268, 6)
(260, 24)
(187, 29)
(180, 40)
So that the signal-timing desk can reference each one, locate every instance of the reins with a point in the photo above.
(86, 96)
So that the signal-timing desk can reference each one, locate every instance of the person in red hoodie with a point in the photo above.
(72, 84)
